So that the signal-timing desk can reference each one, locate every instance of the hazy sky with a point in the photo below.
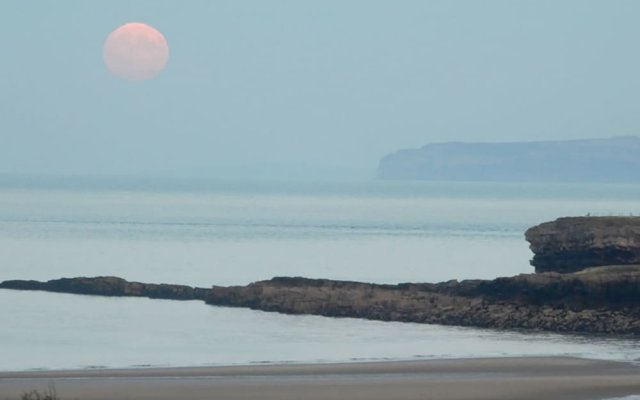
(308, 88)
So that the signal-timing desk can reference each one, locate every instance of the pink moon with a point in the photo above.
(135, 52)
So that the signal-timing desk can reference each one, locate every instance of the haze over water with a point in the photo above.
(204, 233)
(289, 90)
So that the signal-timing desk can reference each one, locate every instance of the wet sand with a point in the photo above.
(495, 378)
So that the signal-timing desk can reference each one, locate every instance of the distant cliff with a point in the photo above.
(574, 243)
(594, 160)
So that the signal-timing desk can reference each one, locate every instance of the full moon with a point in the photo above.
(135, 52)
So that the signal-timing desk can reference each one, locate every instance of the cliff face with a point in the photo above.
(575, 243)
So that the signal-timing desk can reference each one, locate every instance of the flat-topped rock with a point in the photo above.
(574, 243)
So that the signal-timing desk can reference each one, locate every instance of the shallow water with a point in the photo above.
(50, 330)
(235, 233)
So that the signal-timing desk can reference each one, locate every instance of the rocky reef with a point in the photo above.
(574, 243)
(601, 300)
(110, 286)
(597, 300)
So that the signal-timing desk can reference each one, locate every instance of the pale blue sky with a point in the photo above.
(308, 88)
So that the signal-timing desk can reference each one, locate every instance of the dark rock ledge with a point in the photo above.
(601, 300)
(598, 300)
(110, 286)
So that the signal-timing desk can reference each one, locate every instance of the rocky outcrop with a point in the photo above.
(598, 301)
(574, 243)
(595, 300)
(110, 286)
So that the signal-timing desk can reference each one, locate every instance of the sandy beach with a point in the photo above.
(494, 378)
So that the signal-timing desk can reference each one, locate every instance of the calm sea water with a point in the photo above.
(204, 233)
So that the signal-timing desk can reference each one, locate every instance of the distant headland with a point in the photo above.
(591, 160)
(587, 280)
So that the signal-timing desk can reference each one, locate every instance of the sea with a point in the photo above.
(203, 233)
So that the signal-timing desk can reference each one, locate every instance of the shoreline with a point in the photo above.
(459, 379)
(213, 369)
